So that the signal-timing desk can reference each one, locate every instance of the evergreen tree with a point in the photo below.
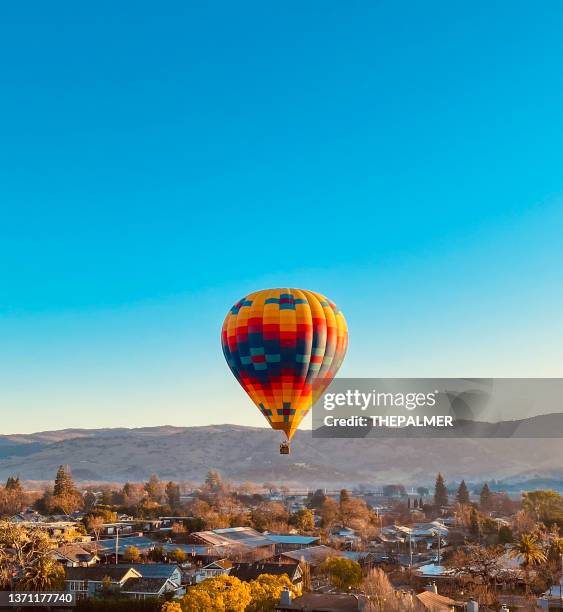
(462, 495)
(420, 503)
(485, 497)
(154, 487)
(344, 496)
(409, 503)
(173, 494)
(14, 484)
(440, 492)
(63, 482)
(416, 502)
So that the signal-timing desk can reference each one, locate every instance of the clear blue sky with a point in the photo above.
(157, 162)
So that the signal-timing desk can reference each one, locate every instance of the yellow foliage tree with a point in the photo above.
(266, 590)
(343, 573)
(220, 594)
(171, 606)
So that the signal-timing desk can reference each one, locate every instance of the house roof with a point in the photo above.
(74, 552)
(292, 539)
(153, 570)
(97, 573)
(313, 555)
(251, 571)
(144, 585)
(108, 546)
(232, 536)
(436, 603)
(324, 602)
(193, 549)
(220, 564)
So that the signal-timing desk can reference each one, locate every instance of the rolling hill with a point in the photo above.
(251, 454)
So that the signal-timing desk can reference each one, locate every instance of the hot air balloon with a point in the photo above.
(284, 346)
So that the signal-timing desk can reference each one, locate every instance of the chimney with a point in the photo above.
(285, 597)
(432, 588)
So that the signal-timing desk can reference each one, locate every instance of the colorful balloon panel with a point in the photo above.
(284, 346)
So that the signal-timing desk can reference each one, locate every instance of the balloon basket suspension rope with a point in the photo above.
(284, 448)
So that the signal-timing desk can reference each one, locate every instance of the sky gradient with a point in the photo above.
(403, 159)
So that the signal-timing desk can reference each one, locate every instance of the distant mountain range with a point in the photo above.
(251, 454)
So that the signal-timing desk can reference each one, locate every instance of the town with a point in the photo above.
(175, 547)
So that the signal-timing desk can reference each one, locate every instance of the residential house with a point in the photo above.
(233, 540)
(89, 581)
(433, 601)
(135, 581)
(75, 555)
(344, 536)
(106, 549)
(142, 588)
(313, 555)
(251, 571)
(287, 542)
(321, 602)
(220, 567)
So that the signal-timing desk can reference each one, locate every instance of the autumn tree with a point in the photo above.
(94, 524)
(479, 562)
(178, 556)
(13, 498)
(266, 590)
(270, 516)
(44, 574)
(543, 505)
(342, 572)
(171, 606)
(156, 554)
(132, 555)
(304, 520)
(378, 588)
(219, 594)
(330, 513)
(26, 558)
(440, 492)
(154, 488)
(132, 494)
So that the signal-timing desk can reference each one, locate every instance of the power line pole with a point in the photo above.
(116, 545)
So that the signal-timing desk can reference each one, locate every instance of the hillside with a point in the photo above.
(245, 453)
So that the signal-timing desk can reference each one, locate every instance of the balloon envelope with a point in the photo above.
(284, 346)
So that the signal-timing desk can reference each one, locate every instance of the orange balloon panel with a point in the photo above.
(284, 346)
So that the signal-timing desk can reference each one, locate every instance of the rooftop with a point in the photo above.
(436, 603)
(313, 554)
(144, 585)
(291, 539)
(98, 572)
(251, 571)
(324, 602)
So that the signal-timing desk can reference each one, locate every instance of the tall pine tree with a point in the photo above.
(440, 492)
(462, 495)
(63, 482)
(485, 497)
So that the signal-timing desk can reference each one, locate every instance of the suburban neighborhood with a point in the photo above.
(174, 547)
